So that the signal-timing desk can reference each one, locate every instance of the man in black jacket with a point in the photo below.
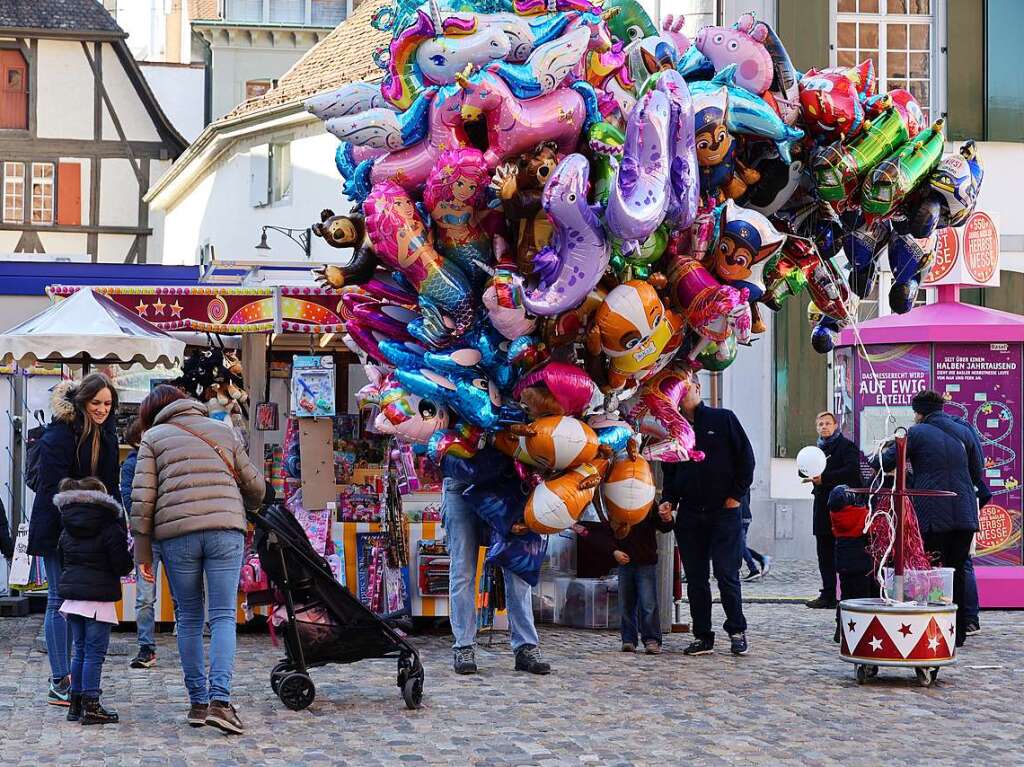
(706, 497)
(841, 468)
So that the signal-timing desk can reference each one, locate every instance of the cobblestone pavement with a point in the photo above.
(791, 701)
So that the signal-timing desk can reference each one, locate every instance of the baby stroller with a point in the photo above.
(326, 623)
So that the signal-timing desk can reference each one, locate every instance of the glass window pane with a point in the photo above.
(873, 55)
(921, 91)
(896, 6)
(919, 65)
(920, 6)
(896, 64)
(847, 6)
(891, 85)
(896, 36)
(868, 35)
(920, 37)
(287, 11)
(328, 13)
(243, 10)
(846, 59)
(846, 34)
(869, 6)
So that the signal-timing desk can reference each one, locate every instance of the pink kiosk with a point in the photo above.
(971, 355)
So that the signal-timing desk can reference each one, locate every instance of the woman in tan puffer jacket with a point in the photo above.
(193, 482)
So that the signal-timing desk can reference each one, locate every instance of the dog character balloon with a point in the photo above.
(720, 172)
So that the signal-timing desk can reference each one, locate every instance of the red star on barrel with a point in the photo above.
(905, 629)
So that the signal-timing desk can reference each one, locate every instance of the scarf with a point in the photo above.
(825, 444)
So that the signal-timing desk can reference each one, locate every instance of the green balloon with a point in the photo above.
(839, 167)
(641, 263)
(895, 177)
(631, 15)
(605, 141)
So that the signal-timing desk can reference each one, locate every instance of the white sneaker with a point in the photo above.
(767, 567)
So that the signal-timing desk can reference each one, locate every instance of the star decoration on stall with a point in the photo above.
(159, 306)
(933, 643)
(142, 308)
(905, 629)
(951, 629)
(876, 644)
(852, 625)
(175, 309)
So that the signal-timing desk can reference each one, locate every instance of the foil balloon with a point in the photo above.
(349, 99)
(839, 168)
(462, 43)
(605, 141)
(743, 46)
(503, 299)
(345, 232)
(718, 355)
(888, 185)
(657, 414)
(785, 87)
(832, 100)
(684, 173)
(902, 101)
(612, 432)
(568, 327)
(407, 416)
(672, 30)
(547, 67)
(390, 319)
(562, 389)
(550, 443)
(744, 240)
(628, 490)
(568, 269)
(402, 241)
(632, 329)
(522, 555)
(721, 174)
(557, 503)
(519, 187)
(706, 305)
(909, 260)
(384, 128)
(862, 245)
(471, 395)
(950, 194)
(639, 264)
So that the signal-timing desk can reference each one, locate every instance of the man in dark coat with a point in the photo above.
(706, 497)
(841, 468)
(944, 454)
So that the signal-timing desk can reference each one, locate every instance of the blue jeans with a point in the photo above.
(466, 533)
(750, 556)
(971, 604)
(715, 537)
(187, 559)
(55, 627)
(145, 599)
(90, 639)
(638, 597)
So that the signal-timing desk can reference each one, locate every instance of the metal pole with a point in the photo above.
(899, 507)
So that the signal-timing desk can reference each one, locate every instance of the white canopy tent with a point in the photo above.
(88, 327)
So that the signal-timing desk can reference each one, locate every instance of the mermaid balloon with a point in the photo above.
(404, 243)
(454, 197)
(573, 264)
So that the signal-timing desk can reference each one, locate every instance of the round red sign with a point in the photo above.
(946, 248)
(996, 528)
(981, 246)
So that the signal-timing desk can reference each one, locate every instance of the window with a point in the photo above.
(14, 192)
(243, 10)
(897, 35)
(42, 193)
(328, 13)
(256, 88)
(280, 171)
(1005, 92)
(13, 90)
(287, 11)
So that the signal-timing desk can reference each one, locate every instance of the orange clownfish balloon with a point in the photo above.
(628, 489)
(552, 442)
(557, 503)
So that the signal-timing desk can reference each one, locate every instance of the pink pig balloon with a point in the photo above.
(742, 45)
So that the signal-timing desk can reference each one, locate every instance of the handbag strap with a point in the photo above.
(229, 464)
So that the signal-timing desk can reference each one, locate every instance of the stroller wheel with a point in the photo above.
(277, 674)
(412, 691)
(296, 691)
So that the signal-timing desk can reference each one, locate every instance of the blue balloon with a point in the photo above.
(519, 554)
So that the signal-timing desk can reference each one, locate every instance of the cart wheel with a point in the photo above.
(924, 677)
(862, 674)
(935, 674)
(872, 671)
(277, 673)
(296, 691)
(412, 691)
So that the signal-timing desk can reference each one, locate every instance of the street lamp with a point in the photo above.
(300, 237)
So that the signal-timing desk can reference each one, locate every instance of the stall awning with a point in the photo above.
(945, 321)
(219, 309)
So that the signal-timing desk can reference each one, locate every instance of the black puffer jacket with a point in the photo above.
(93, 546)
(60, 457)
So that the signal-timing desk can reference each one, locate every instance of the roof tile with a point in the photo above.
(70, 15)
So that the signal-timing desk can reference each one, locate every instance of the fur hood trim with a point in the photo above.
(86, 497)
(62, 401)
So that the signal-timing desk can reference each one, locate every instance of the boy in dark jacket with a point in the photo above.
(854, 564)
(93, 547)
(637, 557)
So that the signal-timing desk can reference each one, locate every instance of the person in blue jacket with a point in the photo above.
(945, 454)
(706, 497)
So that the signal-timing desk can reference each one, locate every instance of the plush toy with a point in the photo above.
(518, 185)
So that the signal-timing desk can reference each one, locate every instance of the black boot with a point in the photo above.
(75, 709)
(94, 713)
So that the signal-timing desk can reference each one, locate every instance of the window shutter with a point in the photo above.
(259, 175)
(803, 27)
(965, 73)
(69, 193)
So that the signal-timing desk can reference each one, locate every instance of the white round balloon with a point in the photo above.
(810, 461)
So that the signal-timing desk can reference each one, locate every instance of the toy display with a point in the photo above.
(313, 386)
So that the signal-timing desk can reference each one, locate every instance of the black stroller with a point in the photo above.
(326, 623)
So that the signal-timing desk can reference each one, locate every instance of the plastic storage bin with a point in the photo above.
(561, 556)
(544, 601)
(587, 602)
(933, 586)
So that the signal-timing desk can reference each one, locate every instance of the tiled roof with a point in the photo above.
(70, 15)
(203, 9)
(344, 56)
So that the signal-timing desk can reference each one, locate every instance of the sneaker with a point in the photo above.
(753, 575)
(94, 713)
(464, 661)
(652, 647)
(628, 647)
(223, 716)
(738, 644)
(822, 602)
(528, 658)
(60, 692)
(197, 714)
(145, 659)
(766, 567)
(700, 647)
(972, 628)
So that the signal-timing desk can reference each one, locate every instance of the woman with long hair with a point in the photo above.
(193, 483)
(80, 441)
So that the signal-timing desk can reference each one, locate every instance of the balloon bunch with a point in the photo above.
(560, 206)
